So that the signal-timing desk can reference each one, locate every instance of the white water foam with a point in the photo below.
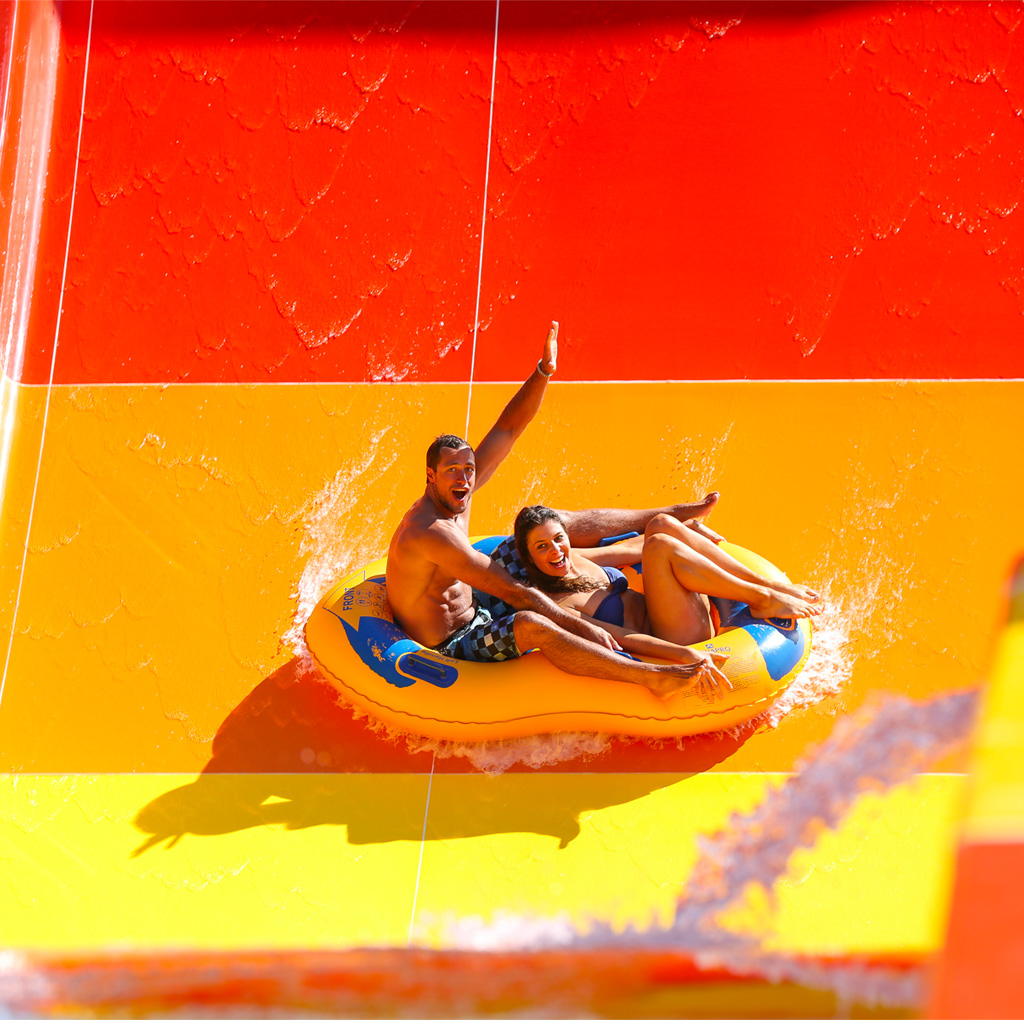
(496, 756)
(336, 540)
(827, 671)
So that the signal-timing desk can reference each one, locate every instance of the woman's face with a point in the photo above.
(550, 549)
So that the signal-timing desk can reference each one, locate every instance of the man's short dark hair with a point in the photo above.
(444, 441)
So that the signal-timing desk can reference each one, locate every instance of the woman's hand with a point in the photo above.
(705, 531)
(706, 668)
(590, 630)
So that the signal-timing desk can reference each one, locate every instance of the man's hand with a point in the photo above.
(549, 363)
(515, 417)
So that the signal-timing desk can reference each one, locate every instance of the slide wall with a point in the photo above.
(258, 255)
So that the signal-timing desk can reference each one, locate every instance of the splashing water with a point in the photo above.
(827, 671)
(335, 539)
(703, 461)
(497, 756)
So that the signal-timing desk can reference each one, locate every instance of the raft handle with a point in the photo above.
(414, 665)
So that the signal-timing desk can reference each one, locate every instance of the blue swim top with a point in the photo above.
(611, 609)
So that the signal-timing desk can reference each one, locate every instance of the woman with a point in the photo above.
(681, 565)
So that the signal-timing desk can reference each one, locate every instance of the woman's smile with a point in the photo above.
(559, 563)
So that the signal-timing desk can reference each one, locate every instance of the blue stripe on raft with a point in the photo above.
(605, 541)
(781, 651)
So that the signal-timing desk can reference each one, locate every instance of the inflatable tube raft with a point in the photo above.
(355, 642)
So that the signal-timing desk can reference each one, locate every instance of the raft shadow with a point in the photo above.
(386, 808)
(290, 754)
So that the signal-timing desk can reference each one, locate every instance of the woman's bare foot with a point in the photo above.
(783, 606)
(794, 590)
(703, 530)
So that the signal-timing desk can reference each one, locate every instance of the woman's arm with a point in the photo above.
(708, 663)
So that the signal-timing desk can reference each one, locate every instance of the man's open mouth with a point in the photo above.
(460, 494)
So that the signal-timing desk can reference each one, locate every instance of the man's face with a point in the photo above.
(453, 479)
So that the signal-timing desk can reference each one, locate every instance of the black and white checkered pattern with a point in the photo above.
(507, 557)
(495, 641)
(484, 639)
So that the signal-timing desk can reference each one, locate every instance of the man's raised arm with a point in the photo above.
(516, 416)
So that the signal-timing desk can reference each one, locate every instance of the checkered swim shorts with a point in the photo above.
(486, 638)
(489, 637)
(507, 557)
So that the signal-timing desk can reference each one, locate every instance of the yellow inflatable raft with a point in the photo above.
(354, 640)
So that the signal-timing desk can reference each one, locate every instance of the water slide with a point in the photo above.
(258, 255)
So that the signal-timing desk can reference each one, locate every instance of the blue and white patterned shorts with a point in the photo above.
(490, 636)
(486, 638)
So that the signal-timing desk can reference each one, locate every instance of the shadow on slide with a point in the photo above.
(290, 754)
(387, 808)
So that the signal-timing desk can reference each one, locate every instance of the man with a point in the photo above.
(442, 591)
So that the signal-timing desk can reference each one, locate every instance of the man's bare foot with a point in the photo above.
(696, 509)
(783, 606)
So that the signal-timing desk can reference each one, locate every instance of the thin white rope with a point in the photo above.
(483, 220)
(53, 361)
(423, 843)
(469, 406)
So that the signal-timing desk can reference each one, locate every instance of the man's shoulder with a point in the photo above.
(423, 527)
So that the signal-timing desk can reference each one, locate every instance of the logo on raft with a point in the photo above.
(384, 647)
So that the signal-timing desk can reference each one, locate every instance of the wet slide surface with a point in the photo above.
(277, 248)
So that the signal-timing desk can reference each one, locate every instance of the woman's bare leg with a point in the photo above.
(711, 551)
(675, 575)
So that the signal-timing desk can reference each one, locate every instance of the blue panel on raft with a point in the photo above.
(388, 651)
(781, 643)
(605, 541)
(488, 544)
(781, 650)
